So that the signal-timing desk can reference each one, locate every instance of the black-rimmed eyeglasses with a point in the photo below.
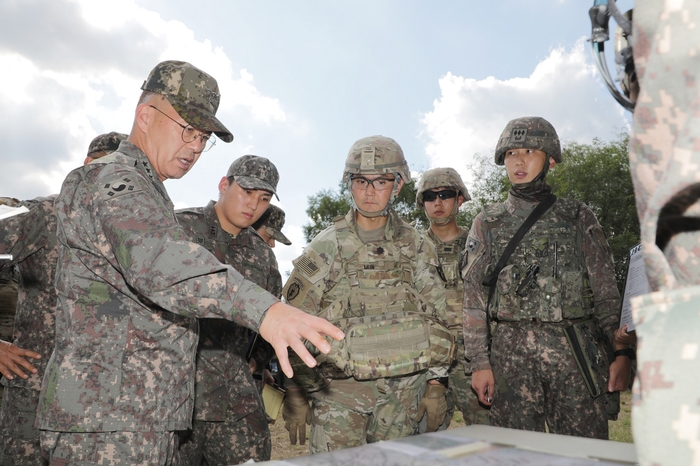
(189, 134)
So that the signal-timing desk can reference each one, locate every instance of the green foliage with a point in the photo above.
(597, 174)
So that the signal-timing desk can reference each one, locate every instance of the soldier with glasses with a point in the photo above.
(377, 278)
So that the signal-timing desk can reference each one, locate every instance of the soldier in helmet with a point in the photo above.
(378, 279)
(31, 239)
(559, 274)
(229, 424)
(270, 225)
(440, 193)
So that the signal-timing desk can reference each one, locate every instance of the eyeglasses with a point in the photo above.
(379, 184)
(189, 134)
(430, 196)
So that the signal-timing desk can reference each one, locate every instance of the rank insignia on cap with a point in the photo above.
(518, 135)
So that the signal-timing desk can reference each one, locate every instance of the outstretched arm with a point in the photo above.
(286, 326)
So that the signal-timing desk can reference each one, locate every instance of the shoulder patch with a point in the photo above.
(119, 185)
(473, 245)
(296, 289)
(310, 265)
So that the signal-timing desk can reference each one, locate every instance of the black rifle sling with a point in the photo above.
(491, 279)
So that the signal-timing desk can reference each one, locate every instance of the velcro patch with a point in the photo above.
(119, 186)
(296, 289)
(518, 135)
(473, 245)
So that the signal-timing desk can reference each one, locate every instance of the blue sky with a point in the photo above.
(300, 81)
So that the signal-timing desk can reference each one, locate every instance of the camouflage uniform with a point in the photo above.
(459, 391)
(8, 305)
(130, 287)
(229, 424)
(537, 380)
(663, 162)
(31, 239)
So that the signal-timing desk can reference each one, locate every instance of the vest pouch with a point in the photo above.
(378, 301)
(388, 346)
(508, 304)
(551, 309)
(573, 290)
(452, 274)
(443, 345)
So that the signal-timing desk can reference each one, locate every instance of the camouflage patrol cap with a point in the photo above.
(253, 172)
(528, 133)
(376, 155)
(437, 178)
(273, 222)
(107, 143)
(193, 94)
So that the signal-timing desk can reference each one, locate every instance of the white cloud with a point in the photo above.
(470, 115)
(77, 69)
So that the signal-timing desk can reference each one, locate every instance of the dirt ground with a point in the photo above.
(620, 431)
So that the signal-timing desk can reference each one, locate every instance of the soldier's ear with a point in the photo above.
(142, 117)
(223, 185)
(552, 163)
(399, 186)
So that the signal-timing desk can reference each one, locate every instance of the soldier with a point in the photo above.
(8, 295)
(377, 278)
(229, 424)
(441, 192)
(130, 287)
(560, 273)
(270, 225)
(31, 239)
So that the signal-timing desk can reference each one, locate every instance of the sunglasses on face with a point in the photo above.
(430, 196)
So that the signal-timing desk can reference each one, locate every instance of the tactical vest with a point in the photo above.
(545, 277)
(450, 258)
(387, 331)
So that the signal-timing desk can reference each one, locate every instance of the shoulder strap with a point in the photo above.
(541, 208)
(491, 279)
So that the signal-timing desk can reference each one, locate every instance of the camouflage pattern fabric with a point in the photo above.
(319, 279)
(107, 143)
(664, 154)
(193, 94)
(130, 287)
(273, 221)
(538, 382)
(459, 390)
(229, 417)
(349, 413)
(487, 238)
(8, 301)
(111, 448)
(31, 239)
(20, 440)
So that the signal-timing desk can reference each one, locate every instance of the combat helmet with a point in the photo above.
(528, 133)
(437, 178)
(376, 155)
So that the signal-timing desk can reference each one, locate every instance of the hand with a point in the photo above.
(483, 384)
(623, 339)
(252, 365)
(296, 415)
(12, 357)
(620, 373)
(435, 405)
(267, 378)
(285, 326)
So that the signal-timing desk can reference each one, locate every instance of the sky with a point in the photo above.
(300, 80)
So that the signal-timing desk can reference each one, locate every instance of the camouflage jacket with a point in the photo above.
(223, 380)
(484, 242)
(31, 239)
(450, 255)
(319, 277)
(130, 286)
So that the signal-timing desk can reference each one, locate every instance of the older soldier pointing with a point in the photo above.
(130, 287)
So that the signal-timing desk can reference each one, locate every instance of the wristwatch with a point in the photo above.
(629, 352)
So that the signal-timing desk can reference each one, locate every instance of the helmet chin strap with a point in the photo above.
(384, 212)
